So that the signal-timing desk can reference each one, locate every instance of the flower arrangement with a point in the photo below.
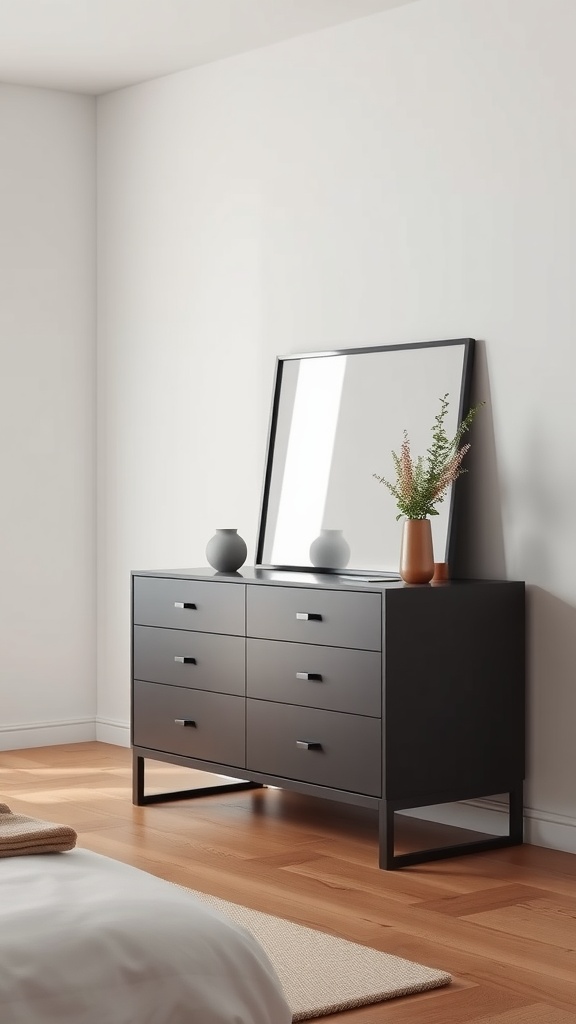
(422, 483)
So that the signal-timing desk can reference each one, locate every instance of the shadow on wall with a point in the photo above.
(551, 700)
(479, 533)
(550, 797)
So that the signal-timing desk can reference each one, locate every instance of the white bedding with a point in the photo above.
(87, 940)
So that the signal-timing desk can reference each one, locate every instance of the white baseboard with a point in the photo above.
(109, 731)
(554, 831)
(76, 730)
(541, 828)
(80, 730)
(46, 734)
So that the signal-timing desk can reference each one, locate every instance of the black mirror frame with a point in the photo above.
(463, 406)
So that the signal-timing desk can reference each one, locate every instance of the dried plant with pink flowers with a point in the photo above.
(422, 483)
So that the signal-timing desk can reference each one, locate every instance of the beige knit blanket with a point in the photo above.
(20, 835)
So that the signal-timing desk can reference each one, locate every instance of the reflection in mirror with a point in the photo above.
(336, 418)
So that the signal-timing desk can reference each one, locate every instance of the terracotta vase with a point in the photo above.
(416, 555)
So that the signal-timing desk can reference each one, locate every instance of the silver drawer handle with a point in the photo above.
(308, 745)
(184, 661)
(184, 721)
(309, 616)
(184, 604)
(309, 675)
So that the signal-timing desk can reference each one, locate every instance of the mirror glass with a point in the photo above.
(336, 418)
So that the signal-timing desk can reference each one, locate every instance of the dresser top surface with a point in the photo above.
(278, 577)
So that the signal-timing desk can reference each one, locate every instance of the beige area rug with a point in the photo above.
(322, 974)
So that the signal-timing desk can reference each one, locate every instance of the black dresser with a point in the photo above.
(375, 693)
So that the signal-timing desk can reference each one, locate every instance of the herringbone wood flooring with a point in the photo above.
(502, 922)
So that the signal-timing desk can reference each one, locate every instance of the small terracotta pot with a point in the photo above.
(441, 572)
(416, 555)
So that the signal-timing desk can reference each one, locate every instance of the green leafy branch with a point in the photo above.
(422, 483)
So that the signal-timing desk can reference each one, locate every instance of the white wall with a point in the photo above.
(47, 417)
(405, 177)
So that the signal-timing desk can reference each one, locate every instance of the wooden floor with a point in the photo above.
(503, 923)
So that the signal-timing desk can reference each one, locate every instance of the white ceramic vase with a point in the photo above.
(226, 551)
(330, 550)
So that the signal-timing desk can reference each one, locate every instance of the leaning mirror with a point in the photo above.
(336, 418)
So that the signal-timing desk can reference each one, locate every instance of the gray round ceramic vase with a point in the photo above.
(226, 551)
(330, 550)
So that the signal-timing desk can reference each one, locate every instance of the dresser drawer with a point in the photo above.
(189, 604)
(345, 751)
(218, 733)
(339, 679)
(204, 661)
(336, 618)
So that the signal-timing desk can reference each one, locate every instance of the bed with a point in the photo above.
(87, 940)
